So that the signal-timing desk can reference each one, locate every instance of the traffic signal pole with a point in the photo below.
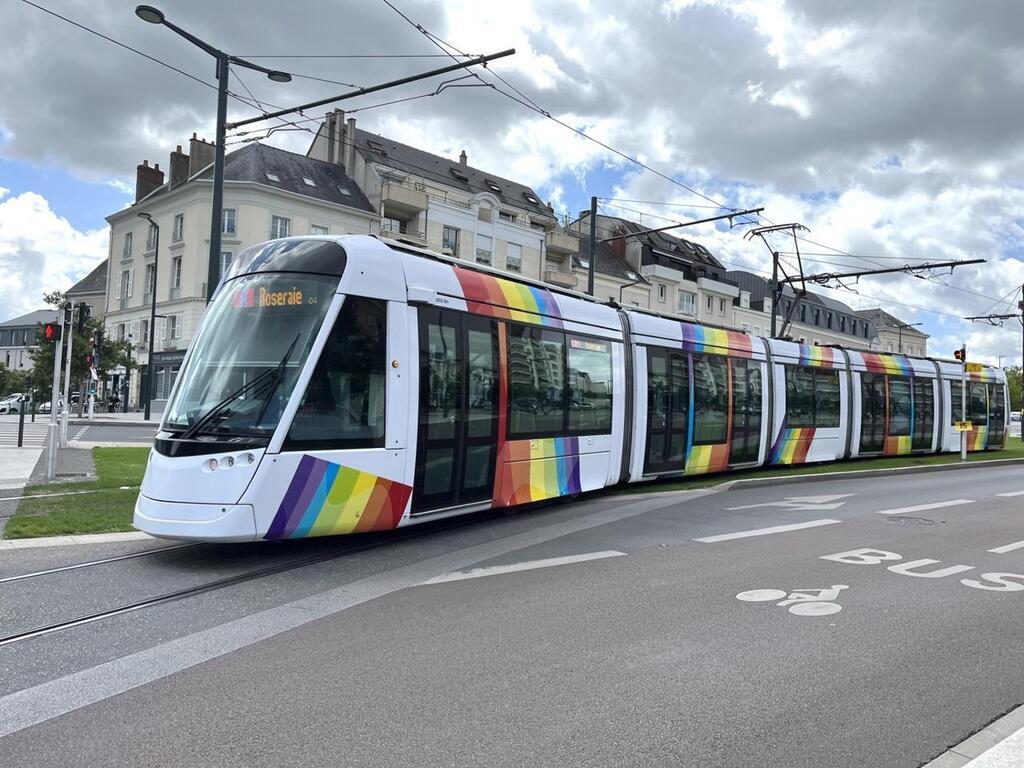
(51, 428)
(67, 382)
(963, 400)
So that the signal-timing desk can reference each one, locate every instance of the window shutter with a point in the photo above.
(120, 280)
(160, 326)
(135, 332)
(131, 282)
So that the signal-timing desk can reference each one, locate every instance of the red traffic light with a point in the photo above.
(959, 355)
(51, 332)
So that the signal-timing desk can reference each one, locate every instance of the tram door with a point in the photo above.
(458, 410)
(668, 406)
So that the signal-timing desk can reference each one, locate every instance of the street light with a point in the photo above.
(150, 378)
(155, 16)
(899, 338)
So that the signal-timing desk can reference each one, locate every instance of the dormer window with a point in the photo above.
(377, 147)
(345, 191)
(458, 174)
(308, 181)
(272, 177)
(492, 186)
(531, 198)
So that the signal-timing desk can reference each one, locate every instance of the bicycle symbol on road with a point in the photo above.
(801, 602)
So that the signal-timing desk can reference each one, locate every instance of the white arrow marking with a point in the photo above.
(799, 502)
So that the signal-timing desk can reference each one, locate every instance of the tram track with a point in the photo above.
(418, 531)
(91, 563)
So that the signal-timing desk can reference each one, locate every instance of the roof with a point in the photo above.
(663, 241)
(32, 318)
(442, 170)
(607, 262)
(94, 282)
(883, 319)
(253, 162)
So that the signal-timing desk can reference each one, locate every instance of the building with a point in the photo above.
(894, 335)
(448, 205)
(18, 338)
(268, 193)
(91, 290)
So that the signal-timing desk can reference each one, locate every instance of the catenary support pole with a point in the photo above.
(775, 290)
(593, 246)
(217, 214)
(963, 400)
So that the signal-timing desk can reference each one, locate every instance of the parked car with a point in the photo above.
(44, 407)
(13, 403)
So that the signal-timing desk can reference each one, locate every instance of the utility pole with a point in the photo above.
(777, 284)
(899, 338)
(963, 400)
(51, 428)
(67, 383)
(997, 320)
(593, 246)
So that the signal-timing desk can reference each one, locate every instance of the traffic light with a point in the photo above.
(84, 311)
(67, 315)
(51, 331)
(961, 354)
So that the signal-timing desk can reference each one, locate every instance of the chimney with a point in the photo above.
(350, 146)
(463, 160)
(619, 246)
(179, 167)
(335, 124)
(200, 155)
(147, 179)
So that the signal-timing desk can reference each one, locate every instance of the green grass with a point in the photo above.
(1013, 450)
(108, 508)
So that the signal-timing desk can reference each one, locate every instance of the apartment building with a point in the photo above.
(450, 206)
(268, 193)
(894, 335)
(18, 338)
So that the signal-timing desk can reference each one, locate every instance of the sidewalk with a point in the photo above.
(130, 419)
(16, 465)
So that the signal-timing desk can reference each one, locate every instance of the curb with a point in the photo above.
(83, 422)
(82, 538)
(86, 445)
(972, 750)
(756, 482)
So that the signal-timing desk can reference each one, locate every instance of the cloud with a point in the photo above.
(40, 251)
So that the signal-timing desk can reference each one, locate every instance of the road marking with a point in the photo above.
(765, 531)
(528, 565)
(922, 507)
(1011, 493)
(1008, 548)
(799, 502)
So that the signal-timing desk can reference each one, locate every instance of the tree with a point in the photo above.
(1013, 386)
(11, 381)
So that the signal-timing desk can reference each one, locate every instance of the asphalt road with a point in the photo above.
(35, 432)
(602, 633)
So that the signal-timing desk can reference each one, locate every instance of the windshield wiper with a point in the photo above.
(271, 375)
(277, 379)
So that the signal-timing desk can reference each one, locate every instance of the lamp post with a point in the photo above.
(152, 313)
(155, 16)
(899, 338)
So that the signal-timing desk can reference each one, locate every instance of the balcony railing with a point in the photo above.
(398, 231)
(562, 242)
(560, 278)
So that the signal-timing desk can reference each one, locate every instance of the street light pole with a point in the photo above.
(899, 337)
(150, 377)
(155, 16)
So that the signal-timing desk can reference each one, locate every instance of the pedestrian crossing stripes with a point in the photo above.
(34, 436)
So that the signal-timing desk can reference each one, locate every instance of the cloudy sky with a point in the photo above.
(891, 130)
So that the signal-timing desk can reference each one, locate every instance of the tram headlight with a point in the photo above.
(212, 464)
(250, 458)
(230, 461)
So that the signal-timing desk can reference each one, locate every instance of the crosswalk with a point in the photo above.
(34, 437)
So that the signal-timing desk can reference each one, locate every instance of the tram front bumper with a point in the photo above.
(195, 522)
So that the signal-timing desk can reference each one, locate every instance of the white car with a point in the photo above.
(13, 403)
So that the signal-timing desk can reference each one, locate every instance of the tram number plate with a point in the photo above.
(962, 426)
(974, 367)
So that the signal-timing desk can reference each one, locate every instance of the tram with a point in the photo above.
(351, 384)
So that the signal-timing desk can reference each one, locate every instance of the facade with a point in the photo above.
(894, 335)
(91, 290)
(448, 205)
(268, 193)
(18, 338)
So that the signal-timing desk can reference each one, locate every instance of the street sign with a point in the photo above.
(975, 367)
(962, 426)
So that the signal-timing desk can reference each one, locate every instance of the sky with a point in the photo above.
(890, 130)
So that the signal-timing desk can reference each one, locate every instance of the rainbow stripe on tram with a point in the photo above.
(533, 470)
(813, 356)
(894, 365)
(324, 499)
(716, 341)
(506, 300)
(792, 445)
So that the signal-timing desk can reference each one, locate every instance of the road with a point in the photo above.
(608, 632)
(35, 432)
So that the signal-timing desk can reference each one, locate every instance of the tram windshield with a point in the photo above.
(245, 364)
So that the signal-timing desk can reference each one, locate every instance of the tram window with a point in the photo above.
(799, 396)
(536, 382)
(978, 403)
(343, 406)
(956, 395)
(924, 414)
(590, 385)
(812, 397)
(658, 404)
(872, 412)
(746, 416)
(710, 399)
(826, 397)
(899, 406)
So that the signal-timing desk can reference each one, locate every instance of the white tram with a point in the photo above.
(342, 385)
